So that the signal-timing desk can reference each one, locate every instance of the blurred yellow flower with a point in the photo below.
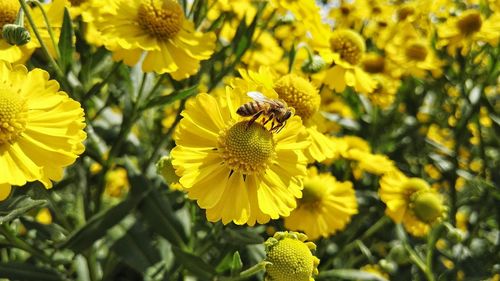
(236, 171)
(157, 29)
(467, 29)
(44, 216)
(117, 184)
(326, 206)
(411, 201)
(41, 128)
(290, 258)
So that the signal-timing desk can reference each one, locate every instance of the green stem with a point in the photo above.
(418, 262)
(261, 266)
(49, 27)
(45, 50)
(20, 244)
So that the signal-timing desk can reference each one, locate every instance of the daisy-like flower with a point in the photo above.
(387, 85)
(411, 201)
(343, 50)
(20, 54)
(156, 29)
(290, 257)
(412, 54)
(326, 206)
(238, 171)
(467, 29)
(41, 128)
(299, 94)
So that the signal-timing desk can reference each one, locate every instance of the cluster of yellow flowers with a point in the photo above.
(243, 159)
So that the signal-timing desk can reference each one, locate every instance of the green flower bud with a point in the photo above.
(15, 34)
(313, 64)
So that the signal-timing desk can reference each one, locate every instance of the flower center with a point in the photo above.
(298, 93)
(349, 44)
(291, 260)
(426, 205)
(8, 12)
(469, 22)
(246, 149)
(77, 2)
(13, 115)
(404, 12)
(161, 18)
(416, 51)
(314, 190)
(373, 63)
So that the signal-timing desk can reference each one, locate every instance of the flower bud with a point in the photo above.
(313, 64)
(15, 34)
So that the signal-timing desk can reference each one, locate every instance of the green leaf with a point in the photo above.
(349, 274)
(194, 264)
(236, 264)
(168, 99)
(26, 271)
(65, 45)
(99, 224)
(135, 250)
(160, 216)
(18, 206)
(243, 237)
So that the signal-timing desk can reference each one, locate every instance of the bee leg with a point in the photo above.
(271, 117)
(250, 122)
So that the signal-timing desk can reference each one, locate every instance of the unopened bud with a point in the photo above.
(313, 64)
(15, 34)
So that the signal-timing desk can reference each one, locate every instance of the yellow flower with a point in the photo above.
(41, 128)
(299, 94)
(387, 85)
(20, 54)
(412, 54)
(44, 216)
(265, 51)
(326, 206)
(157, 29)
(301, 10)
(290, 258)
(376, 270)
(411, 201)
(467, 29)
(343, 49)
(117, 184)
(236, 171)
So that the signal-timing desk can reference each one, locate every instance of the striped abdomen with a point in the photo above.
(251, 108)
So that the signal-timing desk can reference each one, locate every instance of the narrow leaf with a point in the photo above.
(25, 271)
(194, 264)
(349, 274)
(168, 99)
(16, 207)
(65, 45)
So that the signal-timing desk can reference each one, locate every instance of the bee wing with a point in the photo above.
(258, 96)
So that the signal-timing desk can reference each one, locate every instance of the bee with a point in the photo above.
(273, 109)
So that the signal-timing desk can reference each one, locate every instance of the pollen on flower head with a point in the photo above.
(298, 93)
(416, 51)
(469, 22)
(246, 149)
(8, 11)
(290, 257)
(160, 18)
(349, 44)
(427, 205)
(13, 115)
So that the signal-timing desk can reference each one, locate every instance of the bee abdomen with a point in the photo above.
(248, 109)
